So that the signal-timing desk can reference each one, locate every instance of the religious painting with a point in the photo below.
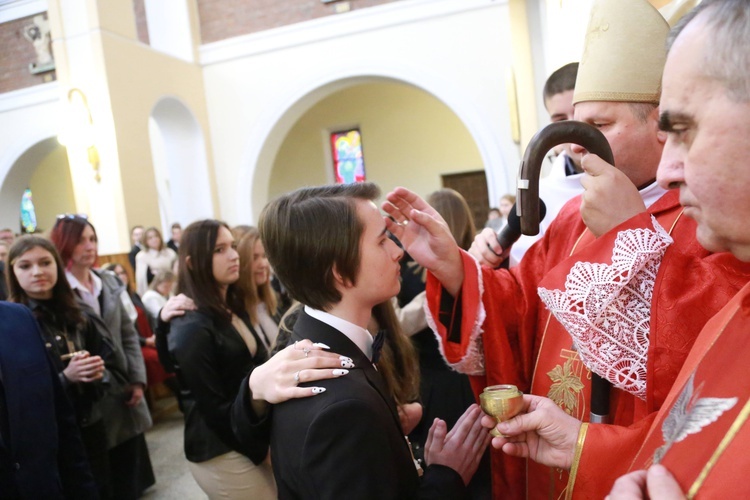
(348, 160)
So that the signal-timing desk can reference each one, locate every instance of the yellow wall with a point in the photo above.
(52, 189)
(409, 138)
(136, 83)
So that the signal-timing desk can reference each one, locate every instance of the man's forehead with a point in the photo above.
(683, 75)
(595, 109)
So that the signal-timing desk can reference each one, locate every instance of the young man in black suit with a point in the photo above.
(329, 247)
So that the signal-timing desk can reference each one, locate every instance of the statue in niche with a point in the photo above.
(38, 33)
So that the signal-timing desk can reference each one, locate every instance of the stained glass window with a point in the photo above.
(348, 161)
(28, 214)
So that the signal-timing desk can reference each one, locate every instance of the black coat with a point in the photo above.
(348, 441)
(41, 454)
(211, 361)
(85, 397)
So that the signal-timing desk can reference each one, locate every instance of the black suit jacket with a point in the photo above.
(41, 453)
(211, 361)
(348, 441)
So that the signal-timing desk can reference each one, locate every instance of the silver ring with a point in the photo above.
(296, 377)
(306, 350)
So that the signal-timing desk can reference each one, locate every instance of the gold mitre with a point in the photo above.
(624, 53)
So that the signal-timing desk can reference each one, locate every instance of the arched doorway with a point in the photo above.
(275, 123)
(409, 138)
(44, 168)
(180, 163)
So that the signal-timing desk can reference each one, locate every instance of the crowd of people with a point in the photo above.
(335, 351)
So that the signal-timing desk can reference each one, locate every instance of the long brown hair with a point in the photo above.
(457, 214)
(398, 359)
(63, 302)
(196, 278)
(254, 294)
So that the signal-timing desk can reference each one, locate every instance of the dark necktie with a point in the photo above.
(377, 345)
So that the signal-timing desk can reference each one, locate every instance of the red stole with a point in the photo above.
(701, 433)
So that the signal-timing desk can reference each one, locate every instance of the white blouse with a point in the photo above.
(154, 259)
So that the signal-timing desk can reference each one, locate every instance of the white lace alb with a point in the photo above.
(607, 308)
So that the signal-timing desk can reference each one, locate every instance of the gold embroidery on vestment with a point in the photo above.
(566, 386)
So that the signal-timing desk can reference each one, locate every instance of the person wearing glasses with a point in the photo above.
(124, 408)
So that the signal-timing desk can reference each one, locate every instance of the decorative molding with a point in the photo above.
(337, 26)
(10, 10)
(30, 96)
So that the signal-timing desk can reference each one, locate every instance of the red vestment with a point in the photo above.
(508, 336)
(701, 433)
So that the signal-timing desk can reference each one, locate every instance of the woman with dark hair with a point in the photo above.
(255, 283)
(124, 409)
(77, 350)
(154, 257)
(216, 355)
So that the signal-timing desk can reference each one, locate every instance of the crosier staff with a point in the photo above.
(527, 206)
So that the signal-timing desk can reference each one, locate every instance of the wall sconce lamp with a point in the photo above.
(79, 129)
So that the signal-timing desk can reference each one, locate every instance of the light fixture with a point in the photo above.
(79, 129)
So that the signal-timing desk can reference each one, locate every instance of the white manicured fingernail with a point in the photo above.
(321, 345)
(318, 390)
(338, 372)
(347, 363)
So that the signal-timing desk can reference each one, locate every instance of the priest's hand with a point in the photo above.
(486, 249)
(656, 483)
(426, 236)
(609, 199)
(462, 448)
(543, 433)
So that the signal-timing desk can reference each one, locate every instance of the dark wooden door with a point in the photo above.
(473, 187)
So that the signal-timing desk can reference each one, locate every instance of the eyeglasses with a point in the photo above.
(72, 216)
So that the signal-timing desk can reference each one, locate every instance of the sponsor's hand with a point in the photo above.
(276, 380)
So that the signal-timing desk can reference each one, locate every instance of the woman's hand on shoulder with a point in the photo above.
(276, 380)
(176, 306)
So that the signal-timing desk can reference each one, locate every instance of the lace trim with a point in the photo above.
(473, 361)
(607, 308)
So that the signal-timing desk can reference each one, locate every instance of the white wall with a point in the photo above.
(258, 86)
